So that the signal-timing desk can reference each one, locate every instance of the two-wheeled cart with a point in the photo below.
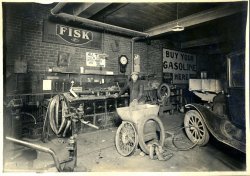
(140, 124)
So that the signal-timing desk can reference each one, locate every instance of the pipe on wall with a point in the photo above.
(57, 8)
(91, 23)
(133, 40)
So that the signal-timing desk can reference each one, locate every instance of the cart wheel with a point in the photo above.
(126, 139)
(195, 128)
(141, 134)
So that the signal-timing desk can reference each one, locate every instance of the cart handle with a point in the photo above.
(40, 148)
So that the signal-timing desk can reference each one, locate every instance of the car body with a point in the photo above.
(222, 113)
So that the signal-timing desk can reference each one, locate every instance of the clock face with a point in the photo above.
(123, 60)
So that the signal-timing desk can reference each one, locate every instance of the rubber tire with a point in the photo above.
(206, 137)
(117, 139)
(159, 91)
(141, 125)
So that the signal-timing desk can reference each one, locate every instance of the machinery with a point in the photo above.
(170, 98)
(16, 119)
(62, 118)
(222, 113)
(14, 107)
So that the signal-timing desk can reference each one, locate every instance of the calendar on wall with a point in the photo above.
(95, 59)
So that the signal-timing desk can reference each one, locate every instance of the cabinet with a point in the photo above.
(176, 99)
(99, 110)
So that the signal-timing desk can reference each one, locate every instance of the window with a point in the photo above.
(236, 70)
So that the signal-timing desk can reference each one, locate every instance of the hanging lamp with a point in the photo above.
(177, 27)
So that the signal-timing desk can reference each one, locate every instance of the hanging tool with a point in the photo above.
(71, 89)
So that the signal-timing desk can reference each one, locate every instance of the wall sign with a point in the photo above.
(67, 35)
(137, 63)
(180, 66)
(63, 59)
(95, 59)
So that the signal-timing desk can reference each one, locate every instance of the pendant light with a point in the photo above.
(177, 27)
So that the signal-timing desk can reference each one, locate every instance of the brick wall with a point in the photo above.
(24, 37)
(24, 30)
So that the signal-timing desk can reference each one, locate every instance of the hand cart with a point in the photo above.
(137, 120)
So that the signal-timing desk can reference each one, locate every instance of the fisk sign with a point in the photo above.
(68, 35)
(74, 35)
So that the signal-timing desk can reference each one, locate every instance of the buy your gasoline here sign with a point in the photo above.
(180, 65)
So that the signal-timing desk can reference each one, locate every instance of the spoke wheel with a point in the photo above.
(195, 128)
(126, 139)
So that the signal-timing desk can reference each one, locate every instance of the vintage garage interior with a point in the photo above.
(125, 87)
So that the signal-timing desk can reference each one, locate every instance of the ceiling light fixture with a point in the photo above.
(177, 27)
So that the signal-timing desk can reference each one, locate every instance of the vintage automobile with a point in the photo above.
(222, 113)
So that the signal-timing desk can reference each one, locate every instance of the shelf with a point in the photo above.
(88, 98)
(101, 74)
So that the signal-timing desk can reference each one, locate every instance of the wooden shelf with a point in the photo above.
(101, 74)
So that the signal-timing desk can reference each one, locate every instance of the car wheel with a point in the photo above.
(195, 128)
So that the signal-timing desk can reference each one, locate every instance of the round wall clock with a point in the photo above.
(123, 61)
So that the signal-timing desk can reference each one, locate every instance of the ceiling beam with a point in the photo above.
(197, 18)
(206, 51)
(215, 49)
(219, 50)
(87, 10)
(201, 42)
(81, 8)
(112, 8)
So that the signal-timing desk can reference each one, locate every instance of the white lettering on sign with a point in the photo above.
(181, 65)
(95, 59)
(74, 35)
(62, 30)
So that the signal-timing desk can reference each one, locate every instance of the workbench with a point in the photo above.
(99, 110)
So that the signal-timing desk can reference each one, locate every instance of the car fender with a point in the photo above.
(214, 125)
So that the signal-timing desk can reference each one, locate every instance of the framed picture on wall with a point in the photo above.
(63, 59)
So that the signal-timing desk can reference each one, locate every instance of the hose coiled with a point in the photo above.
(57, 110)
